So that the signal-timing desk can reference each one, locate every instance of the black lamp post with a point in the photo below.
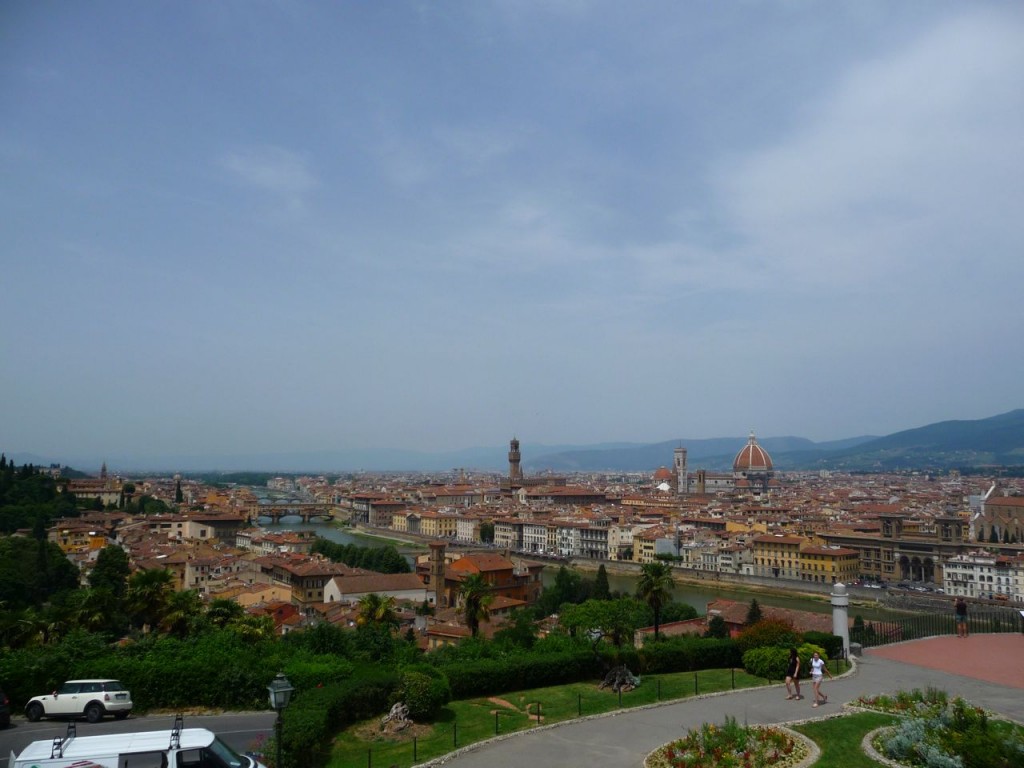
(280, 694)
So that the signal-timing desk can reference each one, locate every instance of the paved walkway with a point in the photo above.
(623, 740)
(996, 658)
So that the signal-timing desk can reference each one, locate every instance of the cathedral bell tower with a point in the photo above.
(681, 471)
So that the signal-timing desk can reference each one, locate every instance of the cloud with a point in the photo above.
(270, 169)
(893, 167)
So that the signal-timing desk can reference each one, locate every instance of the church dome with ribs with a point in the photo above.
(663, 474)
(752, 458)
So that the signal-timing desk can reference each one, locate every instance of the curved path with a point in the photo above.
(625, 738)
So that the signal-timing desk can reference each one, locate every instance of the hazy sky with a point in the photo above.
(290, 226)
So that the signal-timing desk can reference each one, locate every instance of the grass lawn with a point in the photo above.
(471, 720)
(839, 738)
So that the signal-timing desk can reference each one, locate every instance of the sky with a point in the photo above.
(248, 227)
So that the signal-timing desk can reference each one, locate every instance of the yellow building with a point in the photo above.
(438, 525)
(778, 555)
(643, 547)
(77, 537)
(827, 565)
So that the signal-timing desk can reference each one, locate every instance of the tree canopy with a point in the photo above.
(616, 620)
(384, 559)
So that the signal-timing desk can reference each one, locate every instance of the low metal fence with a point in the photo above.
(875, 633)
(496, 717)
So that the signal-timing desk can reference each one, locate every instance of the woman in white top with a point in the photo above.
(818, 667)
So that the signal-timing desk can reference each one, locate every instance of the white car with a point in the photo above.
(191, 747)
(91, 699)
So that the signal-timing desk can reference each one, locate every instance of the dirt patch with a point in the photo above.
(370, 731)
(502, 703)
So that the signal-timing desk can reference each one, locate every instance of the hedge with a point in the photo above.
(689, 654)
(831, 644)
(486, 677)
(316, 715)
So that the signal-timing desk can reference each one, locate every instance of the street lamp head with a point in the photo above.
(280, 690)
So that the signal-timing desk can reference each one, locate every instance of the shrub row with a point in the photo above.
(688, 654)
(486, 677)
(490, 676)
(316, 715)
(216, 670)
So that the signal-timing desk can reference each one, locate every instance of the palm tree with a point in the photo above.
(655, 588)
(149, 593)
(182, 612)
(476, 601)
(252, 629)
(29, 629)
(377, 609)
(98, 610)
(221, 611)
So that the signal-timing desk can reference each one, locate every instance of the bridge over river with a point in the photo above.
(306, 510)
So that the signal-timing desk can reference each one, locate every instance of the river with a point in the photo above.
(696, 595)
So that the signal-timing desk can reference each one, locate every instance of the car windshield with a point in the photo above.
(227, 755)
(114, 685)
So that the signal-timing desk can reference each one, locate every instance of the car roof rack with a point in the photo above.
(59, 744)
(179, 723)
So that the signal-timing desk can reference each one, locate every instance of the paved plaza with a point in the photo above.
(988, 670)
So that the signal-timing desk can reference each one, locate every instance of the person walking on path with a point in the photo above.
(961, 617)
(793, 675)
(818, 667)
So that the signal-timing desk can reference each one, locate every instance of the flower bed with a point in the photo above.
(939, 732)
(734, 746)
(915, 703)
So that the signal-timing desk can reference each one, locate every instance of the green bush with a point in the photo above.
(317, 714)
(768, 632)
(805, 652)
(424, 691)
(486, 677)
(31, 671)
(688, 654)
(670, 655)
(717, 653)
(956, 735)
(218, 669)
(768, 662)
(831, 645)
(310, 671)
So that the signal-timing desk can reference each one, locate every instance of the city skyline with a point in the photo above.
(249, 229)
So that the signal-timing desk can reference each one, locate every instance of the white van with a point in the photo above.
(177, 748)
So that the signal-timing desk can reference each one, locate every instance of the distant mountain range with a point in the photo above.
(995, 441)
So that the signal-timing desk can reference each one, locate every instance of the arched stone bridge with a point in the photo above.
(307, 511)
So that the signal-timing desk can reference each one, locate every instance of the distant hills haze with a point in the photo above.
(993, 441)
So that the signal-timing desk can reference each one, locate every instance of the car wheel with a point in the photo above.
(94, 713)
(34, 711)
(122, 714)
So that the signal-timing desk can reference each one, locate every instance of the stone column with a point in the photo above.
(841, 615)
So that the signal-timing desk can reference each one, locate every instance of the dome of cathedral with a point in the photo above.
(663, 473)
(752, 458)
